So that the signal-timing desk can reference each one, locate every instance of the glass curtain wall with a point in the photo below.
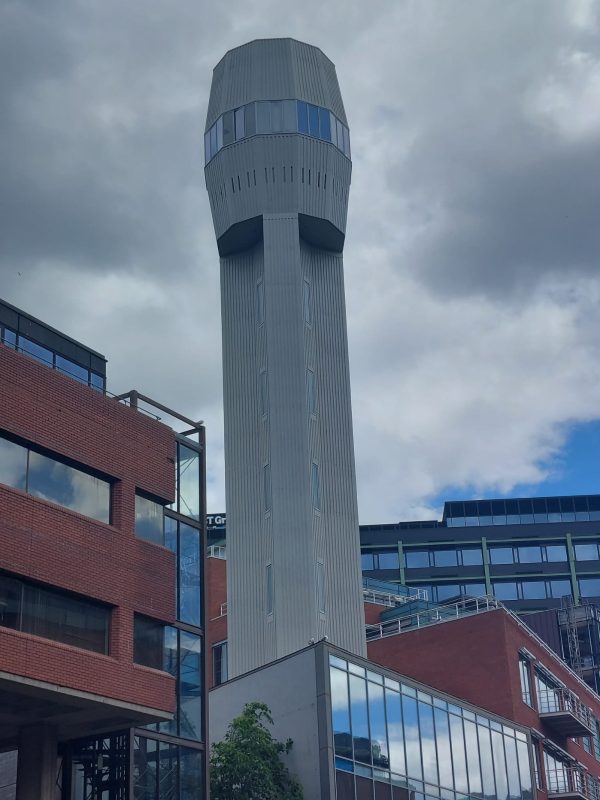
(169, 758)
(390, 737)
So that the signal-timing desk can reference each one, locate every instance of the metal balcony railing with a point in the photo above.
(570, 781)
(560, 707)
(432, 616)
(389, 594)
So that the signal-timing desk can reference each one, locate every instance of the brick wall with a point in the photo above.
(42, 541)
(216, 569)
(476, 659)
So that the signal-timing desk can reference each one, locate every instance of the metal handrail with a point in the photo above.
(392, 600)
(560, 699)
(432, 616)
(572, 780)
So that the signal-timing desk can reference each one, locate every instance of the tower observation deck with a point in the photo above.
(278, 170)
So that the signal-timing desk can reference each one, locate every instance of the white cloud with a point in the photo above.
(472, 249)
(569, 98)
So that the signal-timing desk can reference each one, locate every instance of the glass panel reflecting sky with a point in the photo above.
(413, 736)
(190, 686)
(69, 487)
(13, 464)
(189, 482)
(189, 575)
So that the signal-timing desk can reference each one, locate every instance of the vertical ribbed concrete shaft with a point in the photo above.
(279, 202)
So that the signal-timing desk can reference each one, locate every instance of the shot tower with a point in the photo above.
(278, 172)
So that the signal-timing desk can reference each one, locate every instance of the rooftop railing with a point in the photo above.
(432, 615)
(389, 594)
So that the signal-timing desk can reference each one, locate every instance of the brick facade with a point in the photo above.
(216, 569)
(476, 659)
(45, 542)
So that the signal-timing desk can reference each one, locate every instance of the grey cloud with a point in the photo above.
(458, 190)
(515, 226)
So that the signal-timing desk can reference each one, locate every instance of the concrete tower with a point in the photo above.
(278, 172)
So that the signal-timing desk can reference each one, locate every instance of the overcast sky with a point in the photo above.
(472, 255)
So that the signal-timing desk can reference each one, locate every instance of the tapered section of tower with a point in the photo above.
(278, 173)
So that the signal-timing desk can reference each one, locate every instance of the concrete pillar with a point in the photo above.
(37, 763)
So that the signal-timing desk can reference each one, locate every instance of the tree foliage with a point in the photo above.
(247, 764)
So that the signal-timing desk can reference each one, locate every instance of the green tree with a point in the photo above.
(247, 765)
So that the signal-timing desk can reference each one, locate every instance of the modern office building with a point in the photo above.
(278, 173)
(102, 547)
(527, 552)
(361, 731)
(535, 554)
(478, 650)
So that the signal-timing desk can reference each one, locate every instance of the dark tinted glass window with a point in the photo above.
(190, 686)
(586, 552)
(263, 117)
(190, 593)
(324, 124)
(276, 116)
(302, 117)
(389, 560)
(417, 558)
(239, 122)
(13, 464)
(10, 602)
(250, 119)
(35, 350)
(501, 555)
(65, 618)
(474, 589)
(525, 506)
(367, 561)
(594, 502)
(512, 506)
(446, 591)
(80, 374)
(148, 642)
(313, 120)
(531, 554)
(97, 381)
(289, 116)
(556, 552)
(560, 588)
(507, 590)
(220, 663)
(444, 558)
(228, 128)
(9, 337)
(190, 773)
(149, 522)
(472, 556)
(589, 587)
(533, 590)
(471, 509)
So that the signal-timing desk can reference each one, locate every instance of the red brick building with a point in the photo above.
(87, 585)
(481, 653)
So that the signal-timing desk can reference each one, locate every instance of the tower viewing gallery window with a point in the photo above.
(276, 116)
